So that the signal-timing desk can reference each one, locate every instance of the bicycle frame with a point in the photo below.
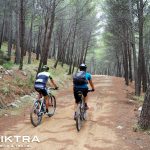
(41, 101)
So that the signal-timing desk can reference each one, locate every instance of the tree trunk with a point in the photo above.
(10, 36)
(144, 120)
(22, 31)
(3, 27)
(49, 34)
(30, 42)
(133, 48)
(72, 48)
(141, 59)
(17, 52)
(38, 46)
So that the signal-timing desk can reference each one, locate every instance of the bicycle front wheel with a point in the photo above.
(52, 105)
(35, 115)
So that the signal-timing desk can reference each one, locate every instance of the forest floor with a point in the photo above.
(110, 125)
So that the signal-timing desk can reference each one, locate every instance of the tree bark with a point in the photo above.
(10, 35)
(141, 59)
(17, 52)
(144, 120)
(22, 31)
(133, 48)
(49, 34)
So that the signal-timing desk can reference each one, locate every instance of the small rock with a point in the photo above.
(13, 105)
(148, 132)
(18, 101)
(6, 115)
(120, 127)
(24, 73)
(124, 138)
(1, 67)
(140, 108)
(135, 129)
(26, 98)
(131, 101)
(141, 147)
(9, 72)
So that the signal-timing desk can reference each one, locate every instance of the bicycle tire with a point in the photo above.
(34, 112)
(78, 118)
(52, 107)
(84, 112)
(78, 122)
(85, 115)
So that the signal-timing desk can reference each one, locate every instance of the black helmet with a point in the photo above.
(83, 67)
(45, 68)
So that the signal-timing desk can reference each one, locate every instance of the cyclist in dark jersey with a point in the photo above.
(40, 84)
(83, 87)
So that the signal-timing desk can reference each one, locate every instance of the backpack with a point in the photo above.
(80, 78)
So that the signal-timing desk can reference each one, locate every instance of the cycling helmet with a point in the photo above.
(83, 67)
(45, 68)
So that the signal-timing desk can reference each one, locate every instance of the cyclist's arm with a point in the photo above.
(52, 81)
(91, 84)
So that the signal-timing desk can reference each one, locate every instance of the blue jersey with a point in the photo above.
(84, 86)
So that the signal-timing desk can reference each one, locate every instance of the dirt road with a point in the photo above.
(111, 118)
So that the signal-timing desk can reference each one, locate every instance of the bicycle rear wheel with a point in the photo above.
(52, 105)
(78, 118)
(35, 115)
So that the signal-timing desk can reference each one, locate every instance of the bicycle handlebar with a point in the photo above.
(90, 90)
(50, 88)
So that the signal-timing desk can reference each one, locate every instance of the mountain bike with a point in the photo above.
(81, 112)
(39, 108)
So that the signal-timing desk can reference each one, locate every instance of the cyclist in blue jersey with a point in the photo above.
(40, 84)
(80, 83)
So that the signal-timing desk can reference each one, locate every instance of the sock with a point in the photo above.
(47, 110)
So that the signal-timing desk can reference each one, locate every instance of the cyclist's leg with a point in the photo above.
(46, 98)
(76, 97)
(77, 100)
(85, 94)
(39, 93)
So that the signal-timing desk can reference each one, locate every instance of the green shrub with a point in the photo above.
(138, 98)
(5, 90)
(19, 82)
(8, 65)
(31, 80)
(1, 57)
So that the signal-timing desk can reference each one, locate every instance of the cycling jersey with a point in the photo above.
(42, 78)
(40, 82)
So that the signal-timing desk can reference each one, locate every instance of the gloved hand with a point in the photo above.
(56, 88)
(93, 90)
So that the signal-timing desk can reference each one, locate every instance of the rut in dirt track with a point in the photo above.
(109, 108)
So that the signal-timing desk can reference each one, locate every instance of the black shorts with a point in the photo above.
(77, 97)
(40, 88)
